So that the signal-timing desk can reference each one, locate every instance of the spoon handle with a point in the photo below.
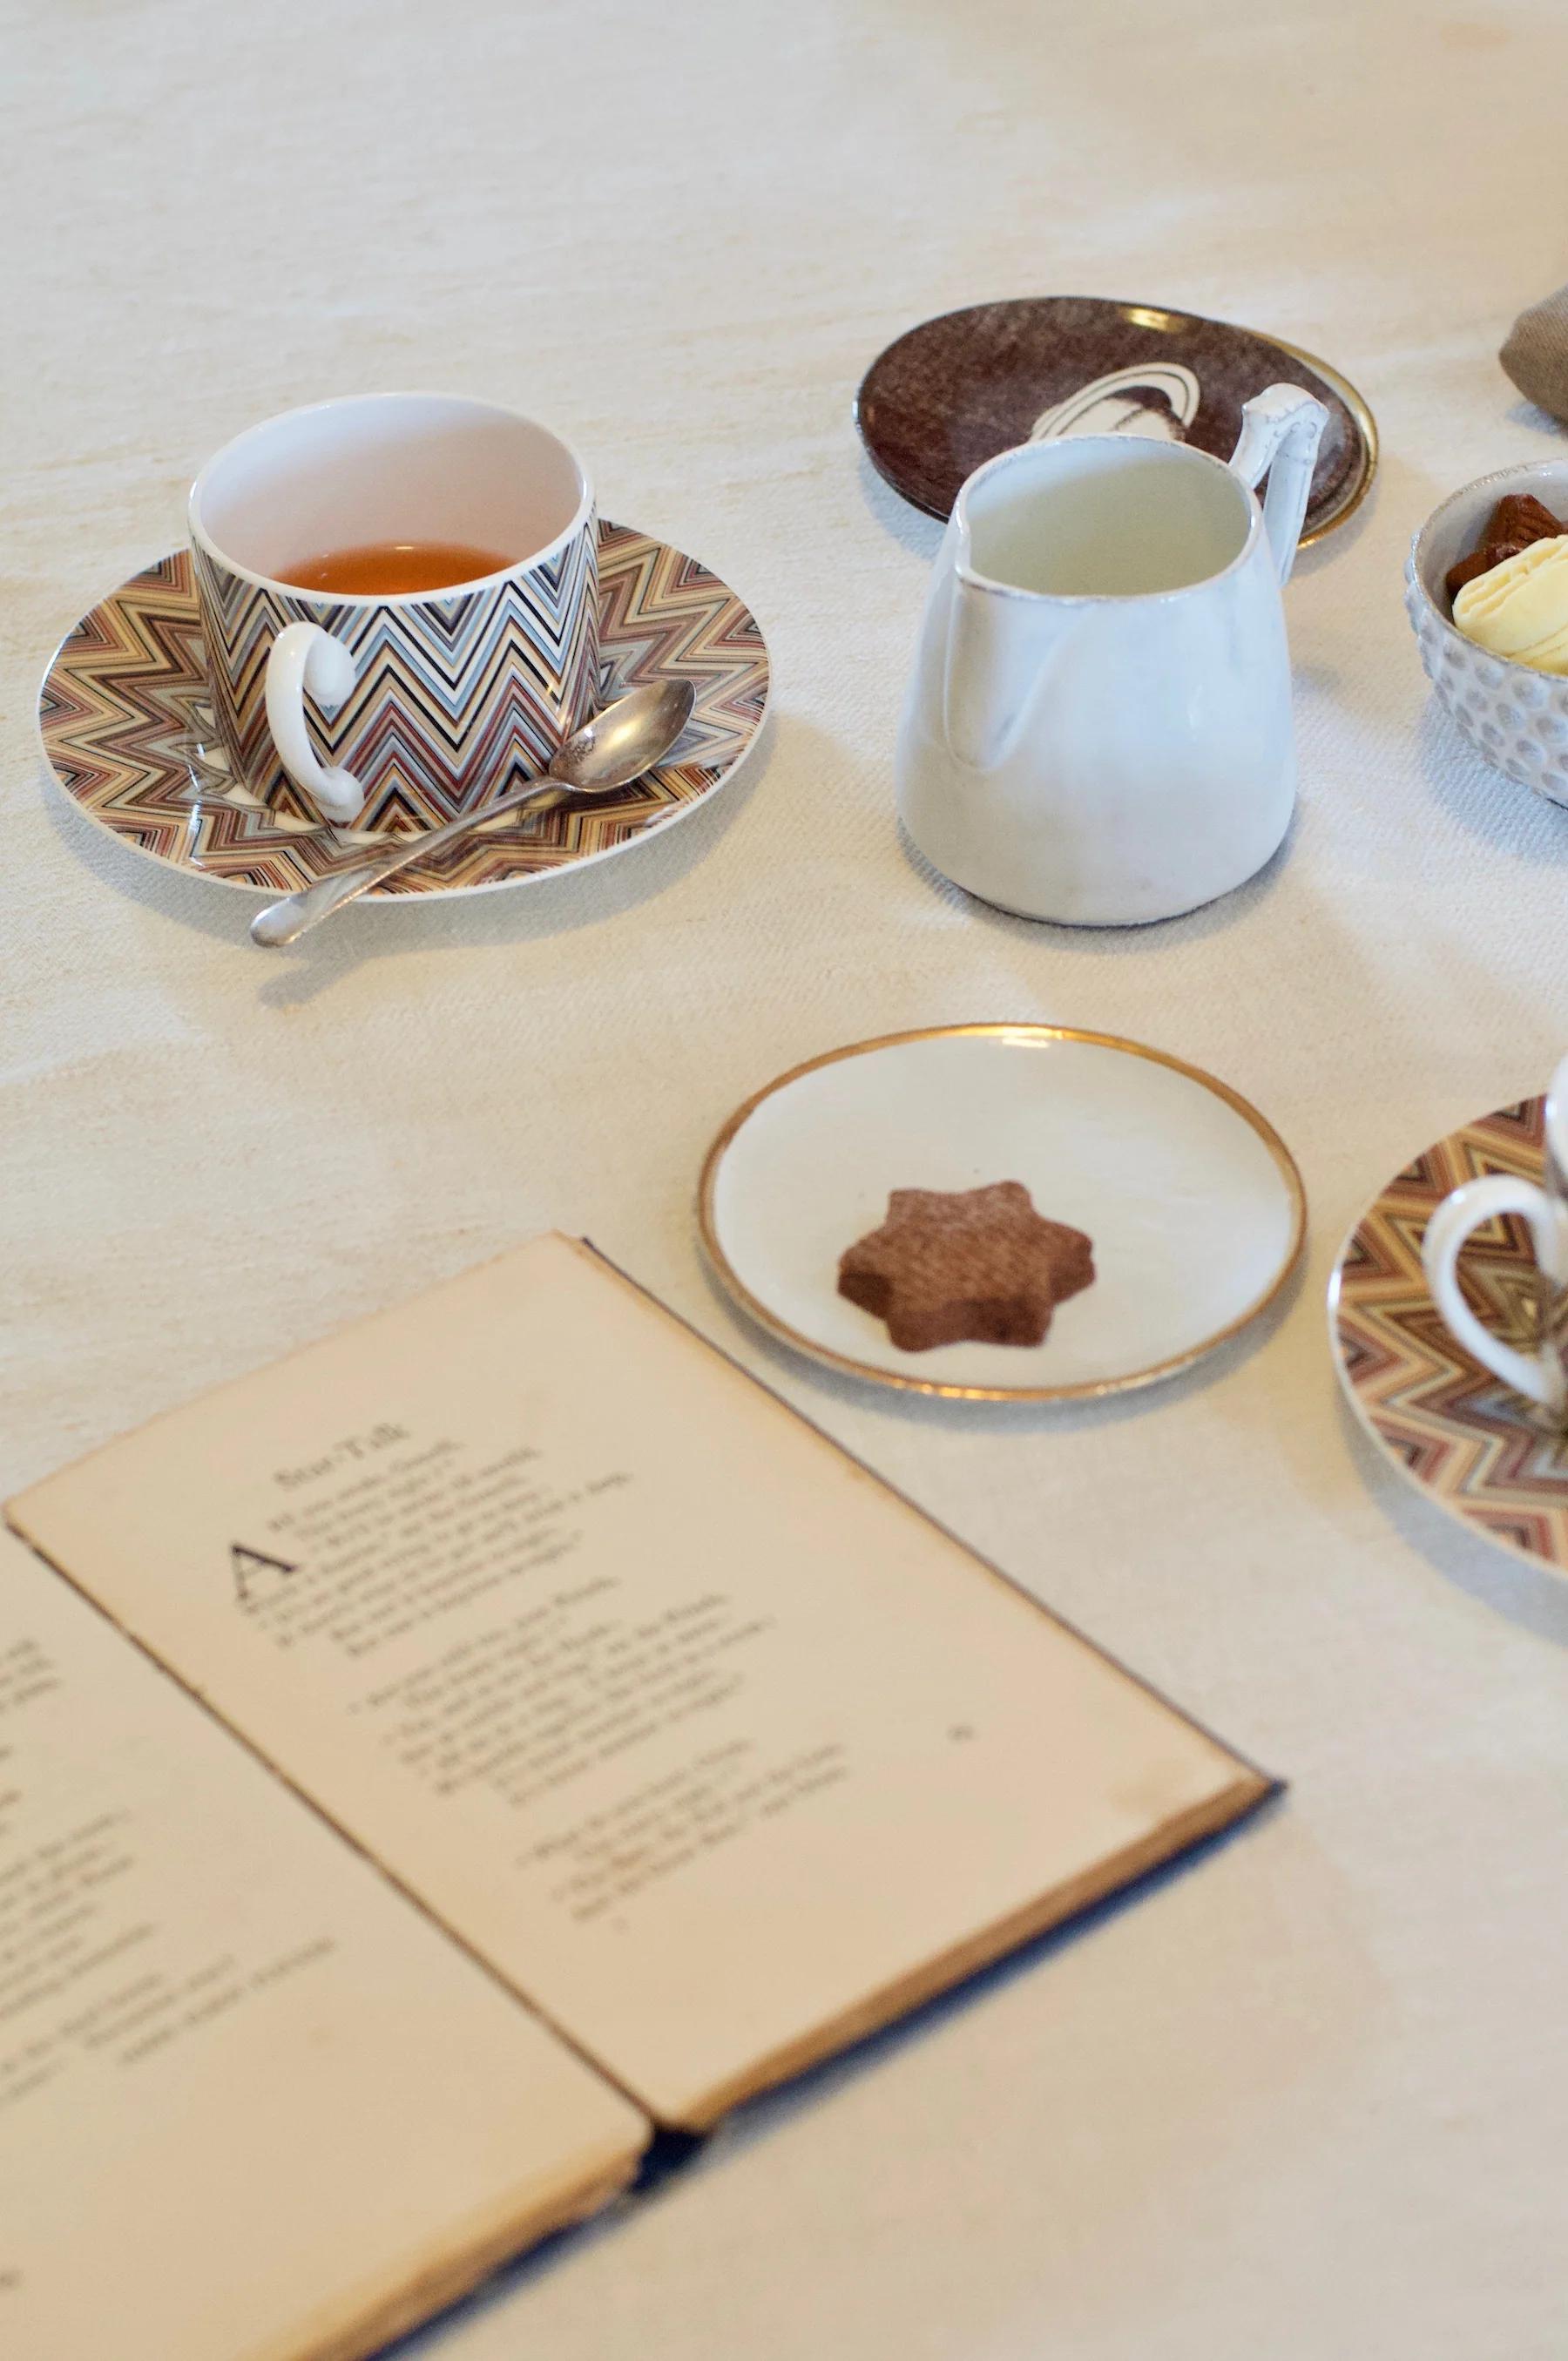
(284, 922)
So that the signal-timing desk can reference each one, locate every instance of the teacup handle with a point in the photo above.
(1538, 1376)
(302, 657)
(1281, 429)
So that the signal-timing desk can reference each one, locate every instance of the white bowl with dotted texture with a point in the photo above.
(1517, 720)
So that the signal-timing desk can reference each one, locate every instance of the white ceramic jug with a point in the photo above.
(1098, 730)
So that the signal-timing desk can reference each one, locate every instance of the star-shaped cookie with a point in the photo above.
(979, 1264)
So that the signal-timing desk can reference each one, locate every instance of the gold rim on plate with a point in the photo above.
(1089, 1388)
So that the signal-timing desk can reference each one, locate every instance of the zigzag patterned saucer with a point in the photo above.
(1480, 1452)
(125, 717)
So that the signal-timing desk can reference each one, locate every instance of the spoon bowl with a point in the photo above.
(624, 738)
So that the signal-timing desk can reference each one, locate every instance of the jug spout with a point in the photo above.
(1000, 643)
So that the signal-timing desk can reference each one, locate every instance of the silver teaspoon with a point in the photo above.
(616, 747)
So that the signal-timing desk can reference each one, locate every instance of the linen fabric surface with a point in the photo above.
(1535, 353)
(1309, 2096)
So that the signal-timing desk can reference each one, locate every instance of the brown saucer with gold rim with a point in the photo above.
(953, 392)
(1192, 1201)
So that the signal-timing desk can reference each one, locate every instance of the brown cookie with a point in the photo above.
(979, 1264)
(1517, 520)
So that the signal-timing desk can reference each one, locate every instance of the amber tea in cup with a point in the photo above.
(391, 569)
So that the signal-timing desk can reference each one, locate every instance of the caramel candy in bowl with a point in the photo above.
(1516, 718)
(1518, 522)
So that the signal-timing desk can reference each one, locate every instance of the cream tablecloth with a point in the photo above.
(1310, 2098)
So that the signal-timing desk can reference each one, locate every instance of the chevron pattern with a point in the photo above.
(1494, 1460)
(129, 730)
(449, 693)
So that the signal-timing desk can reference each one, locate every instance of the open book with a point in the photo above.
(564, 1739)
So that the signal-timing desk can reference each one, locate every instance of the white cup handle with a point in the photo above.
(1281, 429)
(302, 657)
(1538, 1376)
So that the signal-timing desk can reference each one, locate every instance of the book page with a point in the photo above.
(715, 1749)
(253, 2105)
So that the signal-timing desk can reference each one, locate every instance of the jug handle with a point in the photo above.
(1281, 429)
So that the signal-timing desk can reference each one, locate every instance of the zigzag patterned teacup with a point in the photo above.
(401, 708)
(1541, 1374)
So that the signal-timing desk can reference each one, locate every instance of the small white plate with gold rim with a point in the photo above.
(1193, 1201)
